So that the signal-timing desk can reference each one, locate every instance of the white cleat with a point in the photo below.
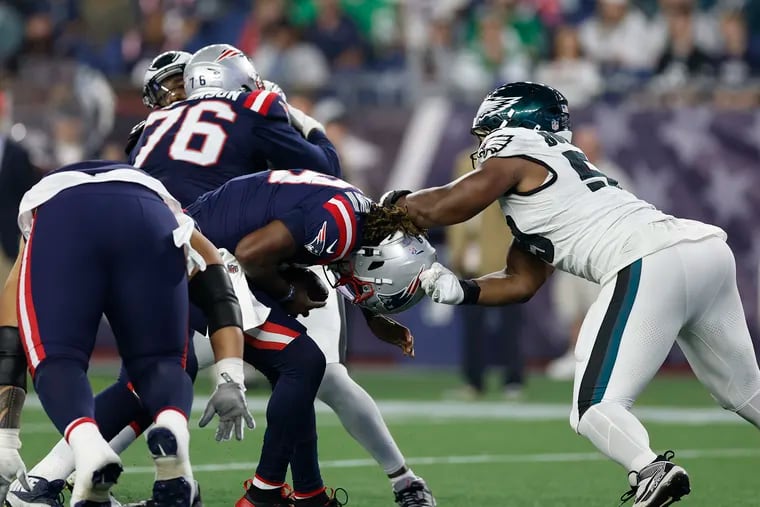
(659, 484)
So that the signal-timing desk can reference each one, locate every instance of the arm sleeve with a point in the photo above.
(286, 148)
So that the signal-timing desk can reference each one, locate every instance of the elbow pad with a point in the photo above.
(12, 358)
(211, 291)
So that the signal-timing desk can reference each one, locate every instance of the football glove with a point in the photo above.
(391, 196)
(228, 401)
(442, 285)
(302, 122)
(11, 465)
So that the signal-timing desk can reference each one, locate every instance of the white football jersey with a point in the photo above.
(579, 220)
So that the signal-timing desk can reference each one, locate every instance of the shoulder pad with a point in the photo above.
(516, 141)
(265, 103)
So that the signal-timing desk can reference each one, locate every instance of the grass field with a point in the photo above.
(476, 453)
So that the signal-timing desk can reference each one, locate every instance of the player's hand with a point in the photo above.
(11, 465)
(228, 401)
(302, 122)
(442, 285)
(391, 332)
(302, 304)
(271, 86)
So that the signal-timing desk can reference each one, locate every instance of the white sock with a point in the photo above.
(179, 466)
(57, 464)
(403, 480)
(91, 452)
(360, 416)
(618, 435)
(262, 484)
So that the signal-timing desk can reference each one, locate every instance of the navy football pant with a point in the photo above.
(104, 248)
(294, 365)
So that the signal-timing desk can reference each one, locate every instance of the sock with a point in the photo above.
(64, 391)
(290, 412)
(161, 382)
(304, 466)
(402, 479)
(260, 483)
(117, 406)
(309, 494)
(57, 464)
(177, 465)
(91, 452)
(360, 416)
(618, 435)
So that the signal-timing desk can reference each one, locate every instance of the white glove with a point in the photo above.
(229, 401)
(303, 122)
(442, 285)
(11, 465)
(271, 86)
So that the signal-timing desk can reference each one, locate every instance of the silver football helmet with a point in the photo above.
(220, 67)
(386, 278)
(163, 67)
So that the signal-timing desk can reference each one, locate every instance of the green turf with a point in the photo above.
(533, 463)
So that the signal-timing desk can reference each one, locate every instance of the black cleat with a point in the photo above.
(659, 484)
(415, 494)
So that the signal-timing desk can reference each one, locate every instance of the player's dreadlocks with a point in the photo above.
(382, 221)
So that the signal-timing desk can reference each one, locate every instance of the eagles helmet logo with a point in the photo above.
(495, 104)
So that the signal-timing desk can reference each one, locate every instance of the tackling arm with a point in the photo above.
(463, 198)
(517, 283)
(262, 251)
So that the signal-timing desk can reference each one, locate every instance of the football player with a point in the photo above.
(305, 218)
(663, 279)
(75, 267)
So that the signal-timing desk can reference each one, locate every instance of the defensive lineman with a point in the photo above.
(663, 278)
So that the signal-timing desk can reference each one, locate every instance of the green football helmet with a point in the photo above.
(523, 104)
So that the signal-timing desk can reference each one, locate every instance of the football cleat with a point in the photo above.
(71, 479)
(44, 493)
(328, 498)
(414, 493)
(255, 497)
(155, 502)
(658, 484)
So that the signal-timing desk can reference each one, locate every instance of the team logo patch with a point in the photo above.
(317, 245)
(233, 268)
(493, 145)
(495, 104)
(228, 53)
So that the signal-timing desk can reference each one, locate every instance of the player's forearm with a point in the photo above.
(266, 277)
(227, 342)
(501, 288)
(325, 153)
(434, 207)
(9, 293)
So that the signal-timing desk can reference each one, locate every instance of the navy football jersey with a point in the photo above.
(325, 215)
(196, 145)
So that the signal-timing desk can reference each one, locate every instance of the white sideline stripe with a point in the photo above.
(567, 457)
(443, 412)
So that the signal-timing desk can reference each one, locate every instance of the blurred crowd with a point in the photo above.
(391, 51)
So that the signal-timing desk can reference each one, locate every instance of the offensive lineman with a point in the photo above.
(663, 278)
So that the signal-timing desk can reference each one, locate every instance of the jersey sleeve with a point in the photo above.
(281, 143)
(327, 232)
(515, 142)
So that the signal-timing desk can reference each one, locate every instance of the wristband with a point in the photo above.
(471, 292)
(230, 369)
(392, 196)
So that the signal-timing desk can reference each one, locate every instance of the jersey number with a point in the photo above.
(580, 163)
(213, 136)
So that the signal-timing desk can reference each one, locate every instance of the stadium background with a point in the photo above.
(669, 88)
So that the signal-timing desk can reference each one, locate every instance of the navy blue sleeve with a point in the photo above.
(284, 146)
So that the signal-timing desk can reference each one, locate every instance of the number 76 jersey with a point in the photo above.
(579, 220)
